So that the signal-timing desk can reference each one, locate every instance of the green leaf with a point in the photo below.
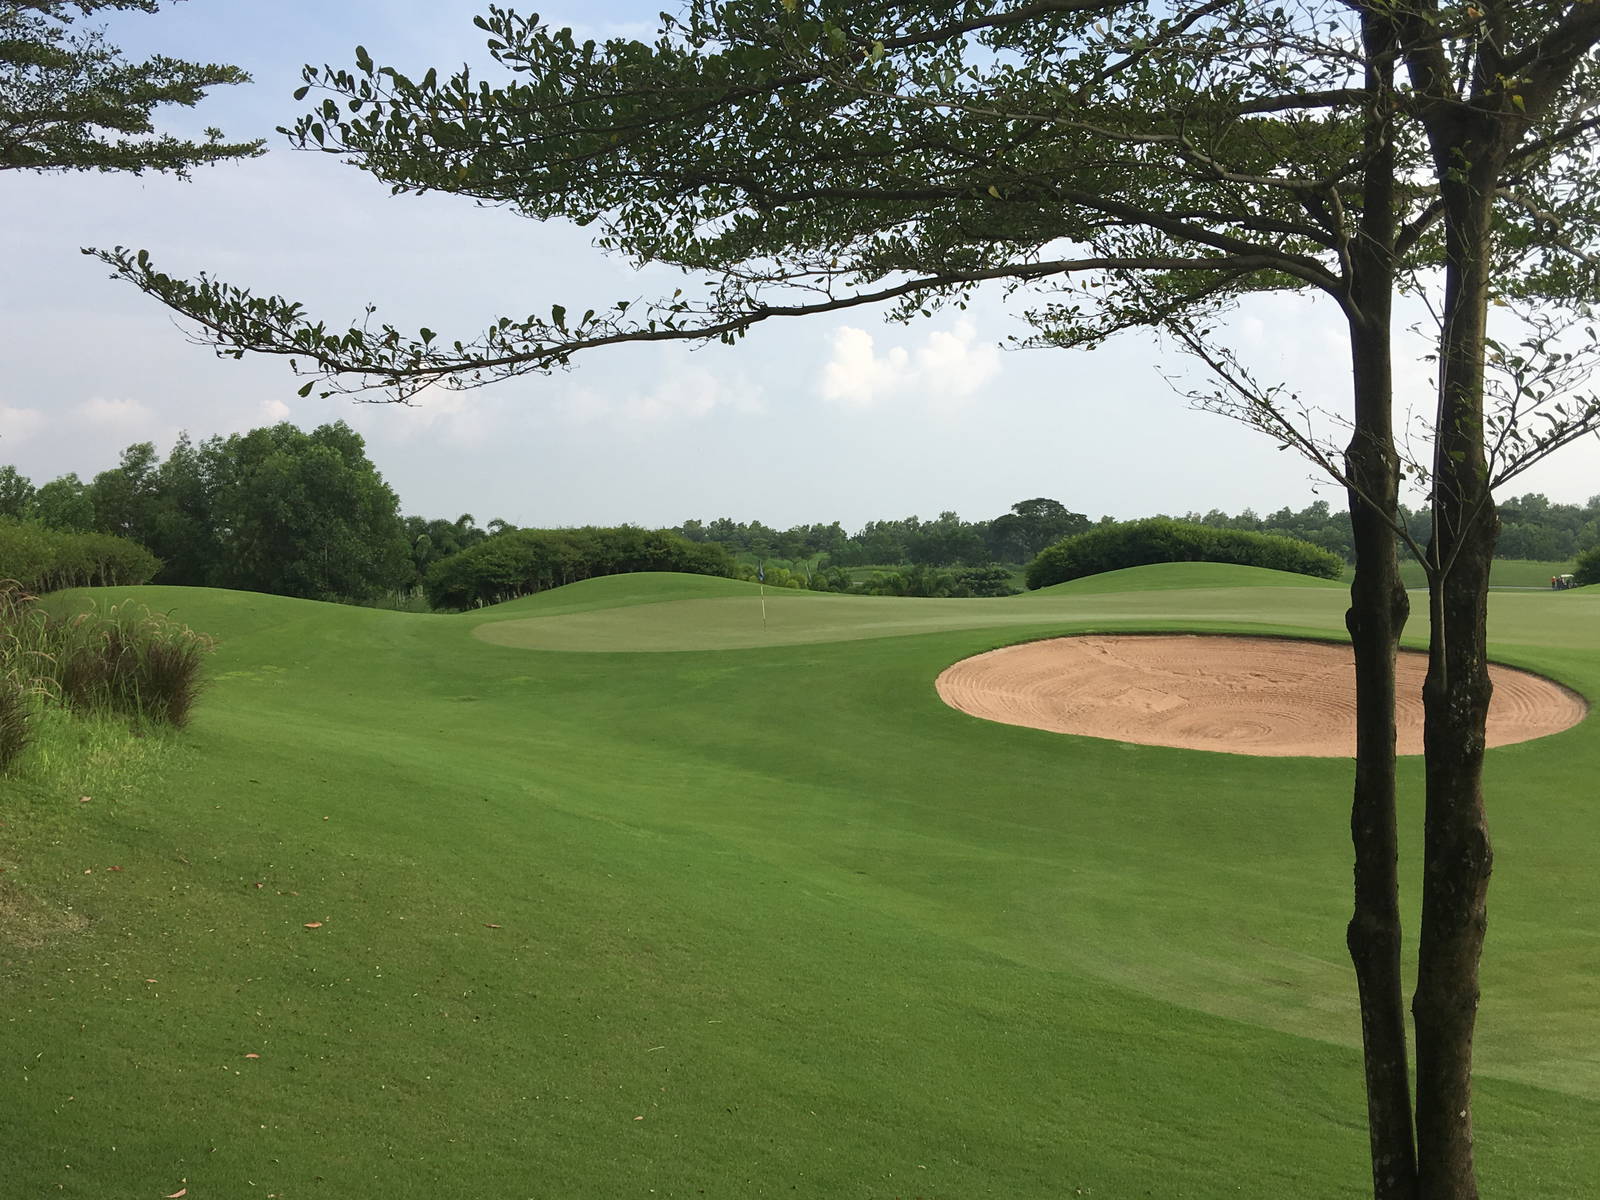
(306, 390)
(363, 60)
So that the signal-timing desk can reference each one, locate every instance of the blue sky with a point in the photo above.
(844, 419)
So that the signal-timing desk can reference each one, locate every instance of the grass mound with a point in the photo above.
(1182, 576)
(412, 913)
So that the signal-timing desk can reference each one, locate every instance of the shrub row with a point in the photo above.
(523, 561)
(46, 560)
(1159, 539)
(962, 582)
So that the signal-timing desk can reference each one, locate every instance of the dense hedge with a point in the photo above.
(1157, 540)
(45, 560)
(1587, 569)
(523, 561)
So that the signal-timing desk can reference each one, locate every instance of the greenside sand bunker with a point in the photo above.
(1241, 695)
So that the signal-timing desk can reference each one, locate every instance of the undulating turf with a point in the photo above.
(1516, 573)
(615, 895)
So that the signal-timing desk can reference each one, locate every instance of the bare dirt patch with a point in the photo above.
(1241, 695)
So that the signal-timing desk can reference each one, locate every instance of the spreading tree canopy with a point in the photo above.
(1113, 165)
(70, 101)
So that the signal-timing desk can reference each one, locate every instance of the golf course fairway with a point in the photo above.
(612, 892)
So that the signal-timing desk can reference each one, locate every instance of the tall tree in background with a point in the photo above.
(306, 514)
(124, 498)
(1030, 526)
(64, 503)
(274, 510)
(1140, 165)
(16, 494)
(70, 101)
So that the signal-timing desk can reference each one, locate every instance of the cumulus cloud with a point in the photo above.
(115, 415)
(856, 376)
(689, 394)
(681, 395)
(470, 418)
(20, 424)
(949, 368)
(275, 410)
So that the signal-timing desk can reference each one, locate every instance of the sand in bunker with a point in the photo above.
(1242, 695)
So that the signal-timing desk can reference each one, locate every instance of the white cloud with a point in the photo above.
(946, 370)
(953, 365)
(467, 419)
(689, 393)
(855, 376)
(113, 415)
(681, 395)
(274, 410)
(20, 424)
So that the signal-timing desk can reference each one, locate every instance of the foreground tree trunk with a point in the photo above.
(1376, 617)
(1457, 857)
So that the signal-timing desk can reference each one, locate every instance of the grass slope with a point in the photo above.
(745, 919)
(663, 612)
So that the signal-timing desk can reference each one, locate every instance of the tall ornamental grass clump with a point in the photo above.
(122, 660)
(24, 668)
(130, 660)
(15, 710)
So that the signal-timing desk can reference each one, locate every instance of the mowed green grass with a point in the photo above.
(1505, 573)
(620, 897)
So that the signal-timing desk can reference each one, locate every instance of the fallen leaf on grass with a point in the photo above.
(176, 1194)
(83, 799)
(638, 1118)
(252, 1056)
(261, 885)
(490, 925)
(313, 924)
(149, 980)
(113, 868)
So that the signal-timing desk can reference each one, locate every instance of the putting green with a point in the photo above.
(733, 620)
(758, 916)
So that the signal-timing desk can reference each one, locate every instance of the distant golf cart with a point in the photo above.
(1561, 583)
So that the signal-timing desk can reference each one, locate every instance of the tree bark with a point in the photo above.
(1377, 614)
(1457, 857)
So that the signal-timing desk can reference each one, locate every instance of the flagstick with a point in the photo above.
(763, 609)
